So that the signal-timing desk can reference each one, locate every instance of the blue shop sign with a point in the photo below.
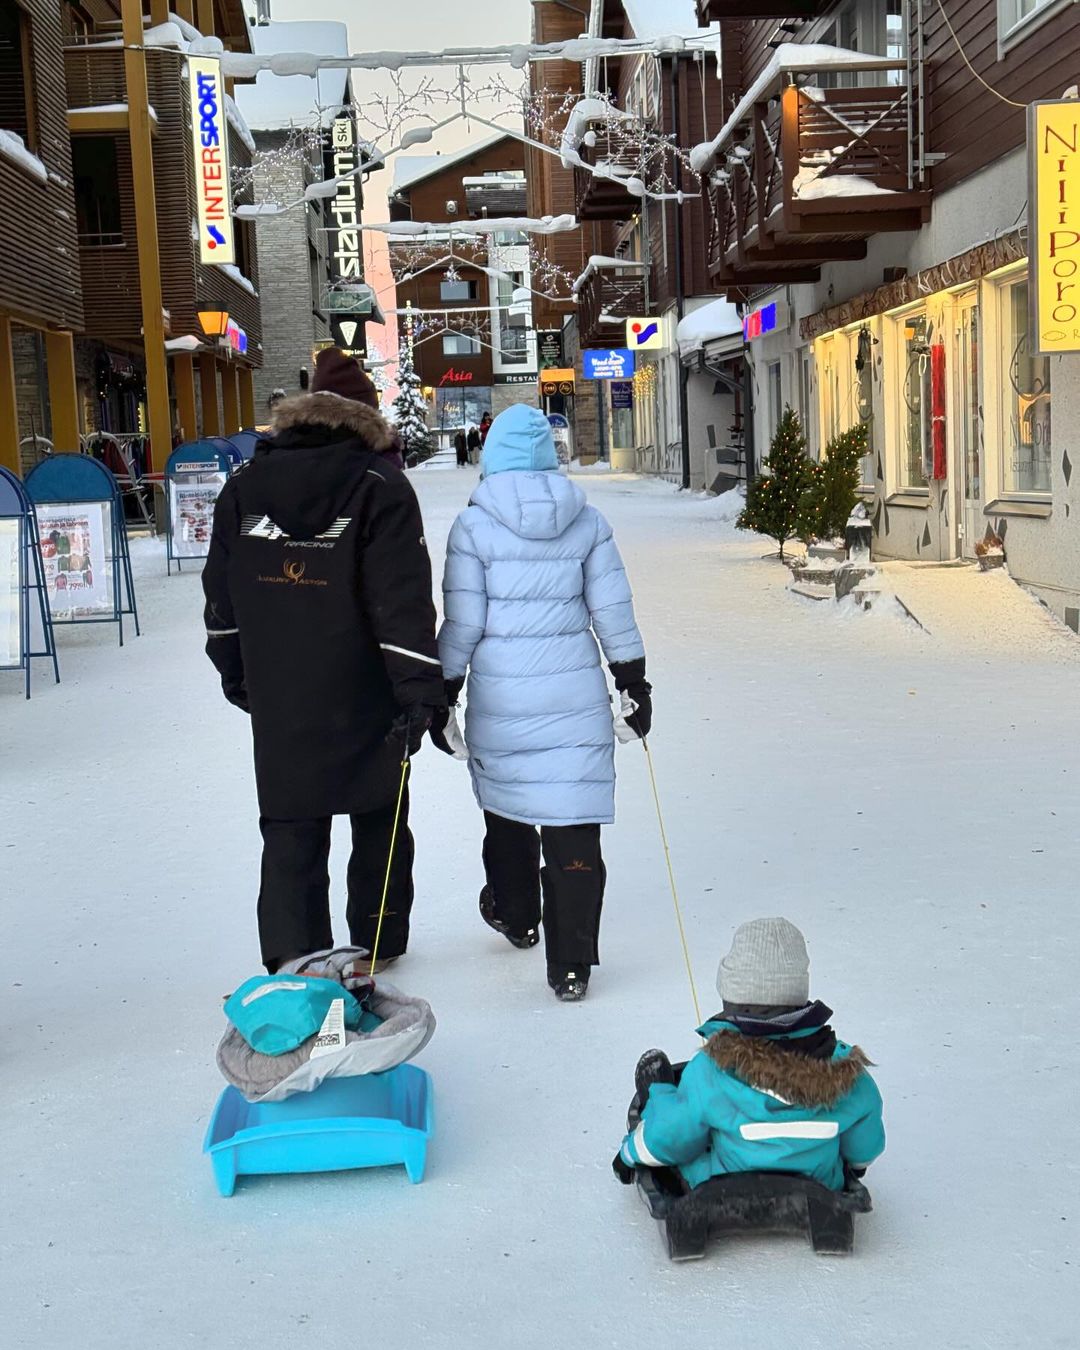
(608, 363)
(622, 394)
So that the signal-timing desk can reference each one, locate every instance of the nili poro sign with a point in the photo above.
(1054, 229)
(210, 140)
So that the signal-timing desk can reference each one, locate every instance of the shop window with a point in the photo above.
(861, 348)
(806, 405)
(451, 292)
(97, 191)
(461, 407)
(1026, 401)
(460, 344)
(17, 74)
(775, 396)
(915, 406)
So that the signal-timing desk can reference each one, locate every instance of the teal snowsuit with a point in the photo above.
(745, 1105)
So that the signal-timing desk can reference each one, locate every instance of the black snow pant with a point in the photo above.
(571, 882)
(294, 898)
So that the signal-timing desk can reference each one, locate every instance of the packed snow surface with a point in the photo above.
(910, 798)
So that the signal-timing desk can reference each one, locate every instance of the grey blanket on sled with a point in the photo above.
(407, 1026)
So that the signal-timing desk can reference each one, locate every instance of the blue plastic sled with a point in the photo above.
(372, 1121)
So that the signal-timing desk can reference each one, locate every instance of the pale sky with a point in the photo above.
(406, 25)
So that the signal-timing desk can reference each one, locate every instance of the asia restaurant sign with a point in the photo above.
(346, 258)
(1054, 235)
(210, 142)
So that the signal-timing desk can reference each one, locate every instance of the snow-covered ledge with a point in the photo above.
(599, 263)
(13, 149)
(234, 274)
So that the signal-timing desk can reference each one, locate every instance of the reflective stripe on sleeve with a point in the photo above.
(637, 1142)
(790, 1129)
(221, 632)
(404, 651)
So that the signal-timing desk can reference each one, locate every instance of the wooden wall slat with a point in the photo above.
(39, 255)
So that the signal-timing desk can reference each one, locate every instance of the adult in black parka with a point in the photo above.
(319, 618)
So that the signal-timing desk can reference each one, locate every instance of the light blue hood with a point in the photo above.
(532, 505)
(519, 439)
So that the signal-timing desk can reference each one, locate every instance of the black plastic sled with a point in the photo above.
(773, 1202)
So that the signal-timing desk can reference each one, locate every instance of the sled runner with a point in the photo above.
(373, 1121)
(777, 1202)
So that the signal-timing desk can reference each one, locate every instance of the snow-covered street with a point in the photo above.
(909, 798)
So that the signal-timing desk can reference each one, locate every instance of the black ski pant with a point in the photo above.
(571, 883)
(294, 898)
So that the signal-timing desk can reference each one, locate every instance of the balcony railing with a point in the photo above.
(804, 172)
(601, 191)
(609, 292)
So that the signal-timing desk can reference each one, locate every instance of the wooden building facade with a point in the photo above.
(473, 346)
(887, 238)
(75, 261)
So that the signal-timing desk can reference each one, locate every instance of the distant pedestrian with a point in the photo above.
(485, 427)
(475, 445)
(461, 448)
(319, 618)
(532, 573)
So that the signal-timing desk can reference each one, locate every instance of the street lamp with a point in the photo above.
(215, 322)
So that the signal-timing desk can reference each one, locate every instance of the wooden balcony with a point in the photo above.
(803, 173)
(607, 198)
(606, 296)
(709, 10)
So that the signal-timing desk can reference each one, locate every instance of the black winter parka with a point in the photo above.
(319, 612)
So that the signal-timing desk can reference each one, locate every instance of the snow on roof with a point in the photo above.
(789, 58)
(663, 18)
(275, 102)
(410, 169)
(718, 319)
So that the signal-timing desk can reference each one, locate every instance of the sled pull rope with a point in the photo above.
(390, 859)
(671, 879)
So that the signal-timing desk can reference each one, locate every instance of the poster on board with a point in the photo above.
(191, 514)
(11, 595)
(78, 573)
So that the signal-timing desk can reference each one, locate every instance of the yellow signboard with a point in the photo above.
(557, 382)
(1054, 234)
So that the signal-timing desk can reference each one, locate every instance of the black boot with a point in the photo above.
(570, 986)
(529, 938)
(653, 1067)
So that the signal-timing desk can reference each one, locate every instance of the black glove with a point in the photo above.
(442, 715)
(630, 678)
(237, 695)
(411, 723)
(625, 1173)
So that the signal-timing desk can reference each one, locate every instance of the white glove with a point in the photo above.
(624, 733)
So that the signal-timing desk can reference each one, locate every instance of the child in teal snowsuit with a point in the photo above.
(772, 1090)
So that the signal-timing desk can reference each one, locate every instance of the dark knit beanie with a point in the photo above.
(336, 373)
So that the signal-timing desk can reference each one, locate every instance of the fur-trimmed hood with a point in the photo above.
(784, 1073)
(340, 417)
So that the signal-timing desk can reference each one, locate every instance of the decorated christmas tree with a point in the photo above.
(772, 501)
(410, 410)
(832, 487)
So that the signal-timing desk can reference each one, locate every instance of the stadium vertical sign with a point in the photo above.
(210, 141)
(345, 205)
(1054, 231)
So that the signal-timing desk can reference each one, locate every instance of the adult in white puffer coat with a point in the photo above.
(533, 581)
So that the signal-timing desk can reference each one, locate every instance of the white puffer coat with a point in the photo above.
(532, 572)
